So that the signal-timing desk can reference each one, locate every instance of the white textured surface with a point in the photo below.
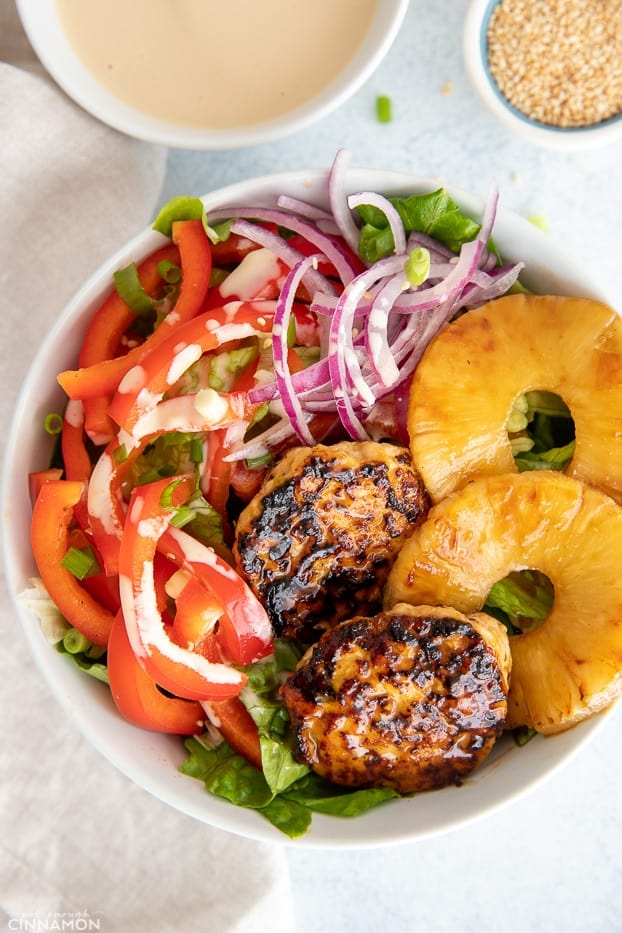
(553, 860)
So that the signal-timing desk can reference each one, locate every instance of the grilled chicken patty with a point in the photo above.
(412, 698)
(317, 541)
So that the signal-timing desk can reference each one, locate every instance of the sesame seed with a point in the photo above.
(558, 61)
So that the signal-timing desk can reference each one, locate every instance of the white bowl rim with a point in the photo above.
(552, 137)
(152, 760)
(46, 35)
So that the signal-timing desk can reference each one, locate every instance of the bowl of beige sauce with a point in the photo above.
(202, 74)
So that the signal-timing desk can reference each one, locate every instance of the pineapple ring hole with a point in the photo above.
(522, 600)
(540, 421)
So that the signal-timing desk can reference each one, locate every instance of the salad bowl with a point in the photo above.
(153, 760)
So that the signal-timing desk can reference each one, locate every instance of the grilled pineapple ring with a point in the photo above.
(469, 377)
(569, 667)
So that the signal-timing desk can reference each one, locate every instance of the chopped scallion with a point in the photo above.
(182, 516)
(80, 562)
(120, 454)
(219, 232)
(196, 451)
(182, 207)
(53, 423)
(417, 266)
(170, 272)
(130, 290)
(217, 276)
(384, 109)
(166, 499)
(254, 462)
(75, 642)
(156, 473)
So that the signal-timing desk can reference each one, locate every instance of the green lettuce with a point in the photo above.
(541, 432)
(435, 214)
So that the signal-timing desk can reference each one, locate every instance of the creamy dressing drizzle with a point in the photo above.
(74, 413)
(256, 270)
(98, 494)
(145, 630)
(213, 64)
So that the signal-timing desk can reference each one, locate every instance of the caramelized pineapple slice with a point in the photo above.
(569, 667)
(468, 379)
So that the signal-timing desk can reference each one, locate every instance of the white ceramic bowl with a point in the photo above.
(152, 760)
(45, 32)
(540, 134)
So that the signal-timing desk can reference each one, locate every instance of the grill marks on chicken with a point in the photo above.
(412, 699)
(317, 542)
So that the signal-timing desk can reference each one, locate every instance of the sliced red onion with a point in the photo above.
(263, 444)
(451, 286)
(437, 250)
(283, 376)
(344, 366)
(303, 208)
(310, 379)
(377, 338)
(486, 287)
(323, 242)
(314, 280)
(390, 212)
(339, 202)
(373, 334)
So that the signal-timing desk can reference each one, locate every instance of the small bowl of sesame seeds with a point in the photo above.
(551, 70)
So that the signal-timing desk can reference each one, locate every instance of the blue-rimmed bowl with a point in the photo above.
(542, 134)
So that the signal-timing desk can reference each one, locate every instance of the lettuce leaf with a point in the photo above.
(435, 214)
(521, 600)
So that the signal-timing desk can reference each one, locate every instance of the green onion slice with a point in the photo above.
(182, 207)
(53, 423)
(384, 109)
(417, 266)
(80, 562)
(131, 291)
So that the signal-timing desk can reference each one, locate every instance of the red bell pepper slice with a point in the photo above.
(105, 505)
(75, 455)
(102, 378)
(52, 516)
(113, 317)
(215, 483)
(145, 385)
(237, 727)
(104, 334)
(137, 696)
(179, 670)
(38, 478)
(244, 630)
(196, 613)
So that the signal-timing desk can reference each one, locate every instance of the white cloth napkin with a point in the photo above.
(77, 838)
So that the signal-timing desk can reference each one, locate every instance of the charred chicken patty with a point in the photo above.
(412, 698)
(318, 540)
